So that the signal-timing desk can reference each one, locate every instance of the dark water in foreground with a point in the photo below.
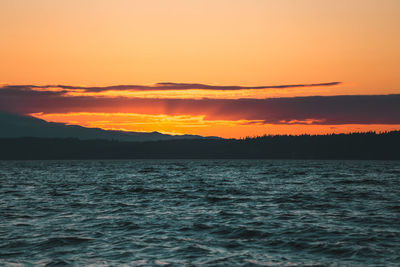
(200, 212)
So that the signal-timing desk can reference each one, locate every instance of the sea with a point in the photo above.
(199, 213)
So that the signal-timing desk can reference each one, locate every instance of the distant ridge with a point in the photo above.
(17, 126)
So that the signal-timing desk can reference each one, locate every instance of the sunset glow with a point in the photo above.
(186, 124)
(217, 68)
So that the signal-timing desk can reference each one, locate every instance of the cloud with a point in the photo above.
(158, 87)
(319, 110)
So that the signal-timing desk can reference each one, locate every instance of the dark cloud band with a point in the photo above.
(329, 110)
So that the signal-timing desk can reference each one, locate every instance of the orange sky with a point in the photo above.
(216, 42)
(196, 124)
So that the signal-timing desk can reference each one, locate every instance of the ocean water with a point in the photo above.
(200, 212)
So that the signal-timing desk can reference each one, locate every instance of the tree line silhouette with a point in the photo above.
(368, 145)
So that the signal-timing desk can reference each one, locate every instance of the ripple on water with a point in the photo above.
(196, 212)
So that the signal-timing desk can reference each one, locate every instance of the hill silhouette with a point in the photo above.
(368, 145)
(13, 126)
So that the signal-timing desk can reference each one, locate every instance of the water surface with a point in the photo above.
(200, 212)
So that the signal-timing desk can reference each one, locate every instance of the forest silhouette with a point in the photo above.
(368, 145)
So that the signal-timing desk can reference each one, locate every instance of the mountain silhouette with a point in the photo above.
(16, 126)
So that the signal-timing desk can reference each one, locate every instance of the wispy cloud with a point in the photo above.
(159, 87)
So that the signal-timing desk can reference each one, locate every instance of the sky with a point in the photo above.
(229, 68)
